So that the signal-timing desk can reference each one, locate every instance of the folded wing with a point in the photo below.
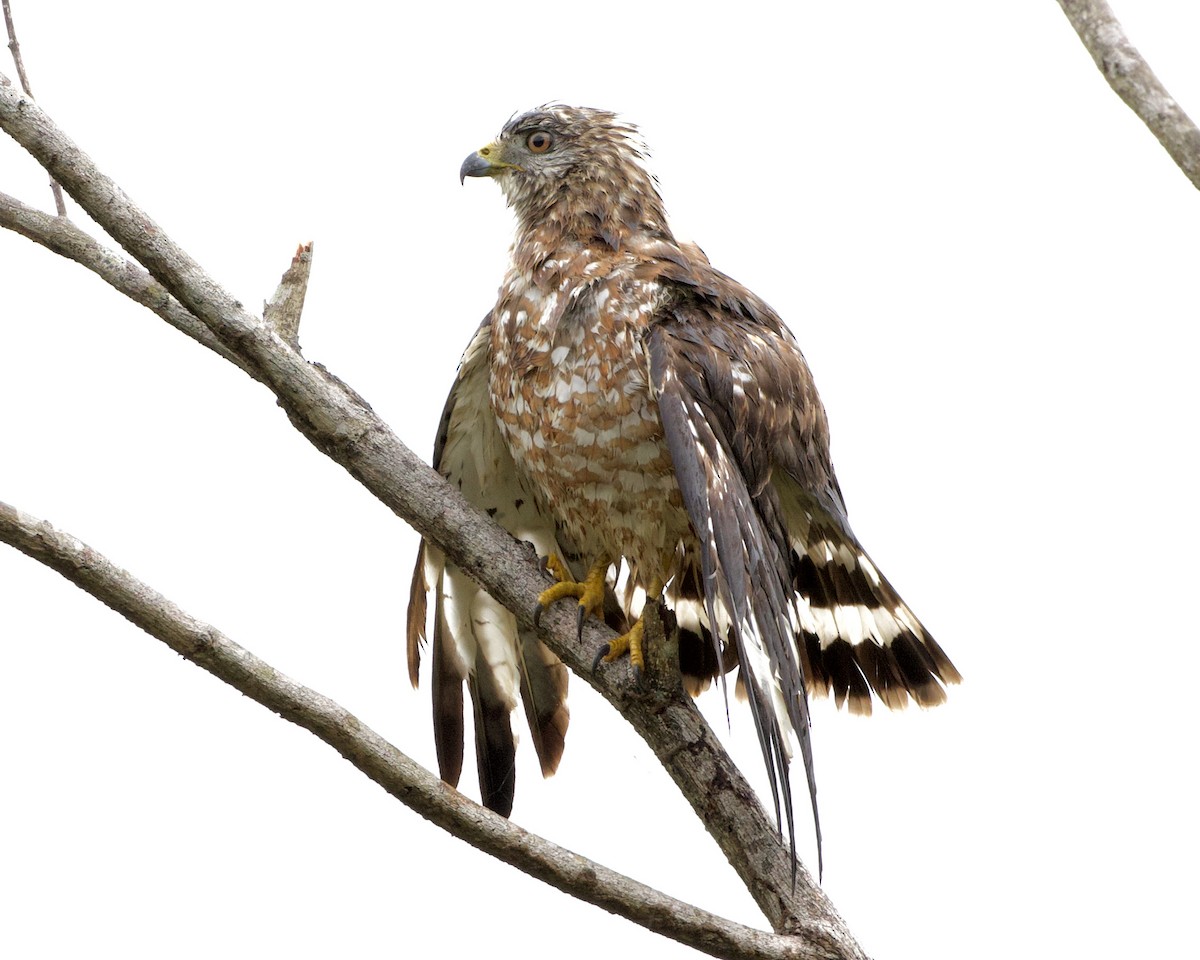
(475, 639)
(783, 575)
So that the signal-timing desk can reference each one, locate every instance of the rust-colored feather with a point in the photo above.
(544, 695)
(627, 400)
(417, 616)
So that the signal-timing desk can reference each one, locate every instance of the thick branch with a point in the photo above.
(338, 422)
(1135, 83)
(380, 760)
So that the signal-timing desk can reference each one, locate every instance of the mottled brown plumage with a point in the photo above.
(625, 400)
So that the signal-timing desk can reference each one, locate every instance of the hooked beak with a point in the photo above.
(474, 166)
(484, 162)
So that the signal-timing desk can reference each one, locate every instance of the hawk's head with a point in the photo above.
(576, 167)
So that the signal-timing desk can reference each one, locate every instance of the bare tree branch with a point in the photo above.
(283, 310)
(399, 775)
(1135, 83)
(343, 426)
(125, 276)
(15, 48)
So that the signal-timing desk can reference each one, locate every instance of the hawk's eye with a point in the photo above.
(538, 142)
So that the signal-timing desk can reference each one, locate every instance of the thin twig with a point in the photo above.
(123, 275)
(398, 774)
(343, 426)
(15, 48)
(1135, 83)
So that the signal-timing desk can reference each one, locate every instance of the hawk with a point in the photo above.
(626, 405)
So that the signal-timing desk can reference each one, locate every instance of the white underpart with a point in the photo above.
(476, 459)
(435, 575)
(494, 629)
(456, 608)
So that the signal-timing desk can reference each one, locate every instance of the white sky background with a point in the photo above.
(991, 266)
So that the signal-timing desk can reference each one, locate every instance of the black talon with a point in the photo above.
(544, 563)
(637, 676)
(537, 613)
(579, 615)
(600, 655)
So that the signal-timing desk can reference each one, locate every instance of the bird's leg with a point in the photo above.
(589, 592)
(630, 642)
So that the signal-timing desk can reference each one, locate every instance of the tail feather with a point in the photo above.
(448, 673)
(495, 746)
(857, 636)
(544, 695)
(417, 616)
(475, 640)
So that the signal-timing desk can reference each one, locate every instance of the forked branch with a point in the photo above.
(15, 49)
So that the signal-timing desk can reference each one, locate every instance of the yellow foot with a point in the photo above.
(630, 643)
(589, 592)
(555, 566)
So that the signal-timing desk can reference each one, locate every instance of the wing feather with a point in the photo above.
(474, 638)
(741, 564)
(782, 571)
